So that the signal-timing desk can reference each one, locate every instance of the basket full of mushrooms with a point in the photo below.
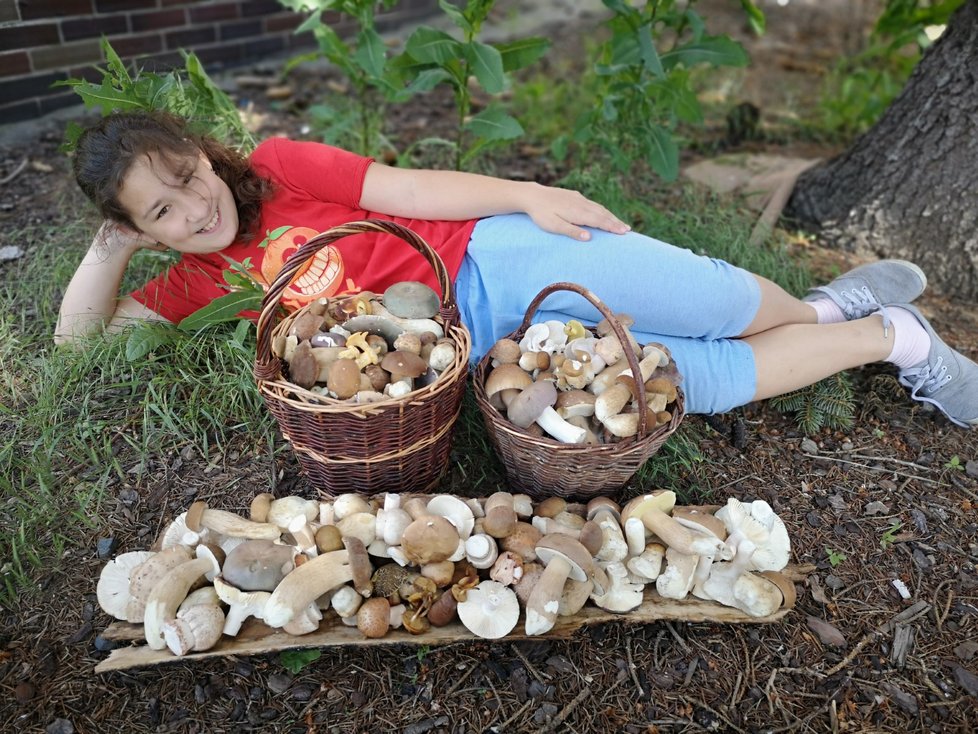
(366, 388)
(564, 408)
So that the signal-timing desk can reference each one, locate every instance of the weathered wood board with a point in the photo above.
(256, 638)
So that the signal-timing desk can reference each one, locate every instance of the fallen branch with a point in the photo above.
(867, 466)
(16, 172)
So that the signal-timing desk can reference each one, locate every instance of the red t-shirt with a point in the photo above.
(316, 187)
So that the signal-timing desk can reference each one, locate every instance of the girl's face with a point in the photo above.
(190, 210)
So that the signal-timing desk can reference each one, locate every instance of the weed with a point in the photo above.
(954, 463)
(889, 535)
(835, 557)
(295, 660)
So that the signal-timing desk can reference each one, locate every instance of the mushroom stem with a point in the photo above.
(560, 429)
(305, 584)
(675, 535)
(541, 607)
(171, 590)
(235, 526)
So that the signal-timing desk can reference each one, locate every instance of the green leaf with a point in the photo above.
(522, 52)
(455, 15)
(143, 340)
(755, 16)
(663, 152)
(650, 57)
(494, 124)
(713, 50)
(220, 310)
(241, 332)
(271, 235)
(428, 80)
(106, 97)
(431, 46)
(371, 53)
(113, 62)
(487, 66)
(295, 660)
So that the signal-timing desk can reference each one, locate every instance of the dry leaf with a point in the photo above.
(828, 633)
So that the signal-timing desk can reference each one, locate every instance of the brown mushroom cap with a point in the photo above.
(591, 537)
(303, 367)
(343, 378)
(328, 538)
(360, 566)
(374, 617)
(551, 507)
(526, 407)
(564, 546)
(402, 365)
(503, 383)
(429, 539)
(260, 506)
(257, 565)
(575, 403)
(690, 516)
(522, 541)
(505, 351)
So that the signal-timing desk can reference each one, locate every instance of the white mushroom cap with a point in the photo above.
(622, 595)
(490, 610)
(676, 579)
(112, 590)
(455, 511)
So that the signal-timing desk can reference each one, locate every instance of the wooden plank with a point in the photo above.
(256, 638)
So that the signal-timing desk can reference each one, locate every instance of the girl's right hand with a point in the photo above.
(116, 237)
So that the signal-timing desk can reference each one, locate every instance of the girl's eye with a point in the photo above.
(161, 212)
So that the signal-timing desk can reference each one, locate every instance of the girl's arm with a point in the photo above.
(452, 195)
(91, 301)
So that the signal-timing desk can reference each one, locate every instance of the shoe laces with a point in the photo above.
(857, 303)
(926, 379)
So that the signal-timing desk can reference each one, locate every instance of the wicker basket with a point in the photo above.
(542, 467)
(396, 445)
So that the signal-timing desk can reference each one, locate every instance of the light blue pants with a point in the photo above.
(691, 303)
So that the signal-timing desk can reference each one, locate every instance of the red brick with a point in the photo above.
(27, 35)
(8, 11)
(221, 55)
(283, 22)
(59, 101)
(29, 86)
(34, 9)
(14, 63)
(158, 19)
(128, 46)
(190, 38)
(72, 30)
(66, 54)
(20, 111)
(301, 40)
(242, 29)
(251, 8)
(211, 13)
(112, 6)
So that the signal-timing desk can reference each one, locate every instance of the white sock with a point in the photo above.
(827, 311)
(911, 343)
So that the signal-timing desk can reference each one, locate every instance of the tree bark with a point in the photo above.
(908, 188)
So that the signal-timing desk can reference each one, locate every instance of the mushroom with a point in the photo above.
(346, 601)
(455, 511)
(303, 367)
(145, 577)
(308, 581)
(757, 522)
(621, 594)
(608, 407)
(508, 568)
(403, 366)
(652, 510)
(347, 504)
(418, 326)
(501, 518)
(260, 506)
(198, 627)
(228, 523)
(522, 541)
(343, 378)
(441, 572)
(241, 605)
(575, 403)
(608, 516)
(410, 299)
(282, 511)
(564, 557)
(676, 579)
(648, 564)
(258, 565)
(442, 356)
(533, 404)
(112, 590)
(504, 351)
(504, 383)
(374, 617)
(490, 610)
(481, 550)
(429, 539)
(574, 597)
(360, 525)
(172, 589)
(634, 535)
(443, 610)
(376, 325)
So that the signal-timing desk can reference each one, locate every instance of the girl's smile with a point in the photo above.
(190, 209)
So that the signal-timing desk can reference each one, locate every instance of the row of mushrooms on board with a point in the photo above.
(416, 561)
(363, 348)
(561, 380)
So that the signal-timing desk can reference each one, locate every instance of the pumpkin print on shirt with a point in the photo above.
(321, 276)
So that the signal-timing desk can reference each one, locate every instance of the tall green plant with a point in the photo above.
(355, 121)
(188, 92)
(434, 57)
(644, 87)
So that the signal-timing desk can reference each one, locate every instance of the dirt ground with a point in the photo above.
(883, 502)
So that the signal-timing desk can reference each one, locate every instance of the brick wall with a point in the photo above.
(43, 41)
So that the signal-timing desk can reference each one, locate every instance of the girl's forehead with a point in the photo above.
(148, 181)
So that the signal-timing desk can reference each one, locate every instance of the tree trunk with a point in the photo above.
(908, 188)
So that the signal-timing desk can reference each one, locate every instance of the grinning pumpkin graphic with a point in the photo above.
(320, 276)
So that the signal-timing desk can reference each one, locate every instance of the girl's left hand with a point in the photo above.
(567, 212)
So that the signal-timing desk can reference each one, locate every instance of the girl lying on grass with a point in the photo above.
(736, 337)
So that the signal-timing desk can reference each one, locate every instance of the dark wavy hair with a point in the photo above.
(106, 151)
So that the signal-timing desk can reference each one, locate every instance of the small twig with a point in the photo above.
(940, 617)
(519, 712)
(631, 667)
(541, 678)
(691, 670)
(565, 712)
(682, 643)
(655, 649)
(867, 466)
(728, 722)
(802, 722)
(460, 681)
(867, 638)
(736, 690)
(16, 172)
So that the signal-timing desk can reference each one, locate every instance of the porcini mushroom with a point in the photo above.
(112, 590)
(652, 509)
(564, 557)
(172, 589)
(410, 299)
(258, 565)
(194, 629)
(490, 610)
(429, 539)
(227, 523)
(533, 405)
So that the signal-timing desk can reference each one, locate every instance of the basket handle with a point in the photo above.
(267, 366)
(616, 327)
